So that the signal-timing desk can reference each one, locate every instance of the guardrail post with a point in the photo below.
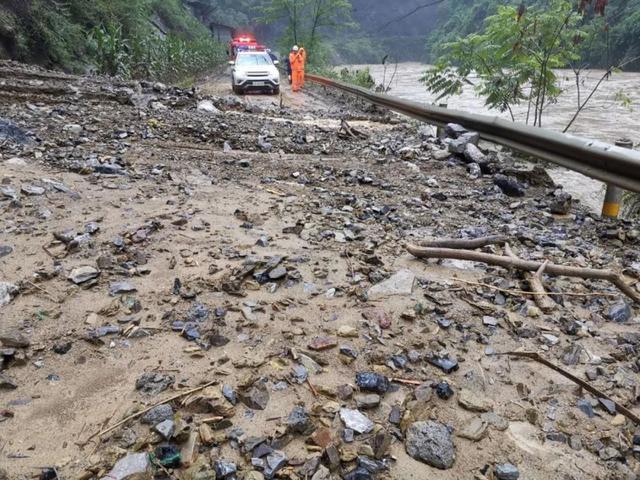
(613, 197)
(440, 130)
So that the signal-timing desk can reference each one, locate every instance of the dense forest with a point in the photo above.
(166, 38)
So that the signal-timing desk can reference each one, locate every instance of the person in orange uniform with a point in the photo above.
(297, 58)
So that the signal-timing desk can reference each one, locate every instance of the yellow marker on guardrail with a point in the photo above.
(613, 197)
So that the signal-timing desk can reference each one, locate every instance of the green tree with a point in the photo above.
(513, 59)
(308, 23)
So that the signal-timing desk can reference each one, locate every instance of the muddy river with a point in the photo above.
(605, 118)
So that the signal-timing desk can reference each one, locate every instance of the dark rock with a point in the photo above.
(586, 407)
(299, 420)
(62, 347)
(444, 363)
(158, 414)
(224, 469)
(509, 185)
(230, 394)
(154, 383)
(507, 471)
(620, 312)
(168, 456)
(275, 461)
(359, 474)
(5, 250)
(395, 416)
(608, 405)
(430, 442)
(560, 203)
(121, 287)
(256, 397)
(372, 382)
(454, 130)
(348, 351)
(444, 391)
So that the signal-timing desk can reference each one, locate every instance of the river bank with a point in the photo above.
(154, 240)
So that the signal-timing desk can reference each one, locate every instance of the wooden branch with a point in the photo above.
(468, 243)
(535, 283)
(350, 131)
(587, 386)
(527, 265)
(142, 412)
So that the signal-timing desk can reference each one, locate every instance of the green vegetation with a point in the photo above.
(513, 59)
(158, 39)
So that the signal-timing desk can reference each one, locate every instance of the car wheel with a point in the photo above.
(276, 91)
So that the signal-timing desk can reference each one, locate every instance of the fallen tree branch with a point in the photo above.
(350, 131)
(142, 412)
(468, 243)
(527, 265)
(588, 387)
(535, 283)
(533, 294)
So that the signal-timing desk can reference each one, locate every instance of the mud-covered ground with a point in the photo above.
(247, 244)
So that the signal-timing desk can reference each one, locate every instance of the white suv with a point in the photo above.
(254, 71)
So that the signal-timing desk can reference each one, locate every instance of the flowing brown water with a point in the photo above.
(605, 117)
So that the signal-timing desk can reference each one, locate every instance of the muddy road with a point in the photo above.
(154, 240)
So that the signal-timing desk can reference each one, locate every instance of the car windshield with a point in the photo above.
(253, 60)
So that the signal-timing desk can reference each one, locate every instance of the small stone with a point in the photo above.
(83, 274)
(586, 407)
(121, 287)
(619, 420)
(323, 437)
(507, 471)
(356, 421)
(347, 331)
(549, 339)
(14, 340)
(323, 343)
(446, 364)
(7, 383)
(444, 391)
(274, 462)
(475, 430)
(158, 414)
(154, 383)
(322, 473)
(134, 465)
(401, 283)
(620, 312)
(208, 107)
(395, 416)
(344, 392)
(378, 316)
(225, 469)
(475, 403)
(5, 250)
(32, 190)
(509, 185)
(299, 420)
(230, 394)
(255, 397)
(423, 392)
(495, 420)
(372, 382)
(608, 405)
(166, 428)
(369, 401)
(430, 442)
(561, 203)
(62, 347)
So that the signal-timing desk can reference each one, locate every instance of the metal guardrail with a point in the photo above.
(595, 159)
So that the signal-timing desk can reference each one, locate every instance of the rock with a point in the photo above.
(83, 274)
(458, 145)
(225, 469)
(474, 170)
(256, 397)
(253, 475)
(359, 473)
(166, 428)
(133, 465)
(14, 339)
(608, 405)
(378, 316)
(158, 414)
(509, 185)
(369, 401)
(430, 442)
(121, 287)
(7, 292)
(444, 363)
(356, 421)
(7, 383)
(620, 312)
(299, 420)
(154, 383)
(401, 283)
(475, 403)
(506, 471)
(344, 392)
(5, 250)
(473, 154)
(230, 394)
(372, 382)
(207, 106)
(274, 462)
(474, 430)
(453, 130)
(444, 391)
(495, 420)
(33, 190)
(347, 331)
(323, 343)
(423, 392)
(322, 473)
(560, 203)
(585, 406)
(323, 437)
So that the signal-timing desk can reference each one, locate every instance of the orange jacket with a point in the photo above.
(298, 59)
